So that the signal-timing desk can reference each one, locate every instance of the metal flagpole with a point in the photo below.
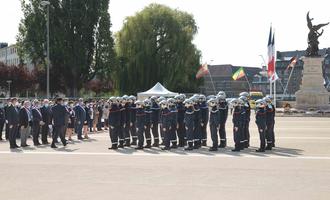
(211, 78)
(247, 80)
(287, 83)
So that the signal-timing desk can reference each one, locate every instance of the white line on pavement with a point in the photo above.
(169, 154)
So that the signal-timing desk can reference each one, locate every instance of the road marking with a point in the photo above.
(172, 154)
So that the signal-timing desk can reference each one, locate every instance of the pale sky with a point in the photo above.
(230, 32)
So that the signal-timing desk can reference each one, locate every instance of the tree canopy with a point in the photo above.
(81, 43)
(154, 46)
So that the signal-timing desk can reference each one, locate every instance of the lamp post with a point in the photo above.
(9, 82)
(46, 4)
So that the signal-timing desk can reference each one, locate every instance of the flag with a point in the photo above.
(239, 74)
(274, 78)
(292, 63)
(203, 70)
(271, 53)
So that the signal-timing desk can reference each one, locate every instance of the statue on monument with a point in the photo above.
(313, 35)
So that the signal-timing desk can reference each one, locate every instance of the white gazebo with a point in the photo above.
(158, 90)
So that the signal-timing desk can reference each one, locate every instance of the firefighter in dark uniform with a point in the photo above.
(197, 122)
(189, 119)
(261, 123)
(181, 130)
(121, 132)
(155, 120)
(270, 122)
(223, 112)
(245, 96)
(126, 126)
(214, 123)
(174, 122)
(160, 99)
(148, 111)
(238, 122)
(132, 111)
(140, 123)
(114, 122)
(166, 124)
(204, 115)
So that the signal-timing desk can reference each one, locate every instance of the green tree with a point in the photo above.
(156, 45)
(81, 44)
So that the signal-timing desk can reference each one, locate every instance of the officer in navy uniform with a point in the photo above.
(148, 111)
(214, 123)
(245, 96)
(140, 123)
(114, 122)
(121, 132)
(189, 121)
(223, 112)
(238, 122)
(261, 123)
(181, 130)
(270, 121)
(58, 113)
(197, 122)
(204, 115)
(2, 118)
(174, 122)
(132, 111)
(166, 124)
(155, 120)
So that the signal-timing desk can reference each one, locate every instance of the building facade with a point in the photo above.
(9, 56)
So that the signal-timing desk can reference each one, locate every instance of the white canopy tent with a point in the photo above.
(158, 90)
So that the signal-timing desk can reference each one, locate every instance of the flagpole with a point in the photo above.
(247, 80)
(287, 83)
(212, 79)
(275, 58)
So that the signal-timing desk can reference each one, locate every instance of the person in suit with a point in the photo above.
(13, 121)
(8, 103)
(47, 119)
(100, 121)
(2, 118)
(80, 118)
(37, 122)
(58, 113)
(25, 118)
(71, 123)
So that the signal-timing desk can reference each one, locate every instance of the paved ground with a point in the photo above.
(299, 168)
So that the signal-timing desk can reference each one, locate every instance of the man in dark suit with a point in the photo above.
(58, 113)
(13, 120)
(6, 121)
(100, 109)
(47, 120)
(2, 118)
(36, 122)
(25, 118)
(80, 118)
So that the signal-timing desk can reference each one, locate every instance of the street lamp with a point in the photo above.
(9, 82)
(46, 4)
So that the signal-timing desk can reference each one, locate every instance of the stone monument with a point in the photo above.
(312, 93)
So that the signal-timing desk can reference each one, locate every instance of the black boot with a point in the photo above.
(204, 143)
(148, 146)
(197, 144)
(260, 150)
(246, 144)
(166, 148)
(134, 141)
(121, 144)
(189, 147)
(214, 148)
(269, 147)
(237, 148)
(156, 143)
(127, 143)
(223, 144)
(174, 145)
(139, 147)
(114, 147)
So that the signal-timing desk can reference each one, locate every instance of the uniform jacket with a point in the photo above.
(189, 117)
(181, 112)
(155, 113)
(239, 117)
(270, 116)
(114, 115)
(122, 115)
(148, 112)
(204, 113)
(58, 115)
(261, 118)
(2, 115)
(214, 116)
(223, 111)
(140, 118)
(166, 118)
(132, 113)
(174, 116)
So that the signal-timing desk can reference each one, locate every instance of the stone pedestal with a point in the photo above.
(312, 94)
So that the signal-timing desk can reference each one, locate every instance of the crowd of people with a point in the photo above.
(153, 122)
